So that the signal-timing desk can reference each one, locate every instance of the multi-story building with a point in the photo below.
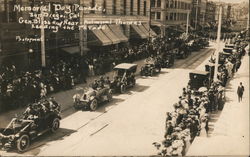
(210, 13)
(198, 13)
(128, 20)
(170, 12)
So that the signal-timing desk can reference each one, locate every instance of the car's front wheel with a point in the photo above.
(23, 143)
(55, 125)
(93, 105)
(122, 88)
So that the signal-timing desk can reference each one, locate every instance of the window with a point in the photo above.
(175, 3)
(171, 16)
(158, 3)
(10, 15)
(114, 7)
(152, 15)
(167, 4)
(138, 7)
(158, 15)
(131, 7)
(152, 3)
(145, 8)
(92, 6)
(104, 6)
(171, 2)
(124, 7)
(167, 17)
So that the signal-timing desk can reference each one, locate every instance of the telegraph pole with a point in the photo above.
(218, 47)
(43, 54)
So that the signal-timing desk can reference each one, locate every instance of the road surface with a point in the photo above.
(126, 126)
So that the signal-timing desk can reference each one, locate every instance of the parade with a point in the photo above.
(124, 78)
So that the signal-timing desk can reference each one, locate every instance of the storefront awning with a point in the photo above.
(102, 37)
(152, 33)
(118, 32)
(139, 31)
(73, 49)
(111, 35)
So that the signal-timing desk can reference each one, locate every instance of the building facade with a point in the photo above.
(210, 13)
(123, 14)
(198, 14)
(168, 13)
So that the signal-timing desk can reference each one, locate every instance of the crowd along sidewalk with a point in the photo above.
(228, 129)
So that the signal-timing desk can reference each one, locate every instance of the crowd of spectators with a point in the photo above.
(190, 117)
(19, 88)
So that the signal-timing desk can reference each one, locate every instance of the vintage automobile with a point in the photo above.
(124, 77)
(223, 56)
(91, 98)
(151, 68)
(198, 79)
(22, 131)
(167, 60)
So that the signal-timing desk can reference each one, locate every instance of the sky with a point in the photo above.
(231, 1)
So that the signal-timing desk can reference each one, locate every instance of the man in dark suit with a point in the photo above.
(240, 92)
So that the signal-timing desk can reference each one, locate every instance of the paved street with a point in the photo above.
(126, 126)
(229, 129)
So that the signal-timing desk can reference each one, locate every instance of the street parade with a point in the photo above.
(158, 78)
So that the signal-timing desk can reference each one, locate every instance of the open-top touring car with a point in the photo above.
(91, 98)
(22, 131)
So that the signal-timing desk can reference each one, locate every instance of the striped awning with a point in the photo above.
(152, 33)
(139, 31)
(102, 37)
(118, 32)
(111, 35)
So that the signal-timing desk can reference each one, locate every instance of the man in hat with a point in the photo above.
(240, 92)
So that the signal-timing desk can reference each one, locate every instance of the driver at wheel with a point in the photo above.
(95, 85)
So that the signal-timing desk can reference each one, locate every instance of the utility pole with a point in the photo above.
(43, 54)
(218, 47)
(187, 23)
(196, 14)
(149, 22)
(81, 31)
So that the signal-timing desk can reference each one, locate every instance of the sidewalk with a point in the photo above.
(228, 129)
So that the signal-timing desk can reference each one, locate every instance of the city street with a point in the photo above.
(128, 125)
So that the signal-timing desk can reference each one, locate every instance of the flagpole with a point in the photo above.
(218, 47)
